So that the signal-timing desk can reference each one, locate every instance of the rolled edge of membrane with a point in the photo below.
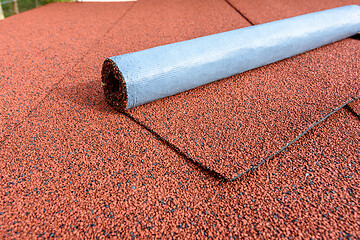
(159, 72)
(114, 85)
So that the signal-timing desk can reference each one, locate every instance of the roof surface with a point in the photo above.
(71, 166)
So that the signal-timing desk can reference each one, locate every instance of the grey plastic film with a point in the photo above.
(137, 78)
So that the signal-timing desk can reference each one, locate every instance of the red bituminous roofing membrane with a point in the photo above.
(232, 125)
(39, 46)
(262, 11)
(73, 167)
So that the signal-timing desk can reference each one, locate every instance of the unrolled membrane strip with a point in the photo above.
(137, 78)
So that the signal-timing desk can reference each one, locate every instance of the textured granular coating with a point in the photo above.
(71, 175)
(231, 125)
(76, 168)
(262, 11)
(40, 46)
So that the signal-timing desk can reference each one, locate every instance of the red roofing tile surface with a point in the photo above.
(39, 46)
(72, 167)
(103, 175)
(262, 11)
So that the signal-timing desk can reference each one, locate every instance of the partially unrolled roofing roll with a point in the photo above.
(137, 78)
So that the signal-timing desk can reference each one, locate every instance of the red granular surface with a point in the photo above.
(39, 46)
(262, 11)
(76, 168)
(71, 173)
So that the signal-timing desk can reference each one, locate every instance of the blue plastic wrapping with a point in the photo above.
(137, 78)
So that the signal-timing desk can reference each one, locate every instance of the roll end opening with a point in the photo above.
(114, 85)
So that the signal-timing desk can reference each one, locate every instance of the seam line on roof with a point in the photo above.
(351, 110)
(345, 105)
(176, 149)
(17, 125)
(238, 11)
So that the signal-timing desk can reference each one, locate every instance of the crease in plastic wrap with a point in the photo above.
(133, 79)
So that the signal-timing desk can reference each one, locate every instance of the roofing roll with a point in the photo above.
(133, 79)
